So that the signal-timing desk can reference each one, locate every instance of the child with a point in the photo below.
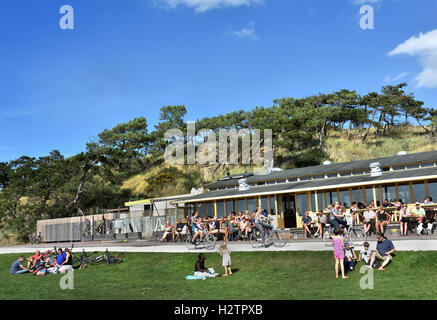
(338, 252)
(365, 253)
(226, 254)
(349, 257)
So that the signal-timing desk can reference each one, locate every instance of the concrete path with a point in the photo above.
(400, 245)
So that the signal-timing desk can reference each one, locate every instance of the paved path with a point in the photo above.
(400, 245)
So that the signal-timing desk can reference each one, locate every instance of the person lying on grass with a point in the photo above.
(384, 249)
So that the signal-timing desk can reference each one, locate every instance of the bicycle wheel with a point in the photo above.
(327, 238)
(91, 260)
(280, 238)
(357, 237)
(255, 239)
(113, 261)
(189, 244)
(210, 241)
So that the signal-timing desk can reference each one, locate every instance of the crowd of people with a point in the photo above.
(346, 259)
(44, 263)
(340, 216)
(232, 228)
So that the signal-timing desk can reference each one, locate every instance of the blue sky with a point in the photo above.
(125, 59)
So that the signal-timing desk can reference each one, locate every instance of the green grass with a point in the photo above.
(257, 275)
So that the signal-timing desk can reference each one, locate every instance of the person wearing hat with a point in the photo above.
(350, 258)
(419, 212)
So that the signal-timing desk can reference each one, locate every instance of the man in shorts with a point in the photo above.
(34, 260)
(369, 219)
(384, 249)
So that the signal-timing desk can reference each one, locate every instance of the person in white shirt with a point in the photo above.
(369, 219)
(365, 253)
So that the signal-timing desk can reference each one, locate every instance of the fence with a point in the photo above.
(102, 226)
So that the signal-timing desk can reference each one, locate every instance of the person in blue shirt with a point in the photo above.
(384, 249)
(60, 258)
(306, 221)
(17, 266)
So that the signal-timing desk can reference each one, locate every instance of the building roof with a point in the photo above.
(362, 165)
(320, 184)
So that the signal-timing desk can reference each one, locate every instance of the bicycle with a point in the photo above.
(272, 235)
(355, 235)
(35, 238)
(83, 258)
(209, 240)
(106, 258)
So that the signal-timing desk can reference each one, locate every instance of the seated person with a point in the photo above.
(244, 228)
(350, 257)
(365, 254)
(214, 226)
(403, 219)
(168, 230)
(224, 229)
(196, 228)
(67, 264)
(322, 218)
(386, 204)
(418, 212)
(336, 219)
(201, 270)
(383, 219)
(179, 227)
(17, 266)
(384, 249)
(306, 222)
(32, 261)
(369, 219)
(234, 229)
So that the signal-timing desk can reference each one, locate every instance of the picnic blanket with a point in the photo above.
(202, 275)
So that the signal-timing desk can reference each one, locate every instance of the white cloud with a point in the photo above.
(396, 78)
(246, 33)
(424, 47)
(205, 5)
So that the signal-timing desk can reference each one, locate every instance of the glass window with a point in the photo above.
(271, 182)
(319, 177)
(404, 193)
(251, 204)
(345, 198)
(292, 179)
(427, 164)
(261, 184)
(369, 194)
(432, 190)
(332, 175)
(220, 209)
(419, 193)
(345, 174)
(386, 169)
(301, 202)
(320, 200)
(413, 166)
(241, 206)
(330, 197)
(264, 204)
(210, 209)
(229, 207)
(200, 209)
(313, 202)
(281, 181)
(398, 168)
(357, 195)
(272, 204)
(305, 178)
(389, 192)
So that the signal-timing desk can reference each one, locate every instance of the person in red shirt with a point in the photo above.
(32, 261)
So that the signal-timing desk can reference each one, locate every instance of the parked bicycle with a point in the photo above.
(208, 240)
(355, 235)
(107, 258)
(83, 258)
(272, 235)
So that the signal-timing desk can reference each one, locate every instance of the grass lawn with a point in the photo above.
(257, 275)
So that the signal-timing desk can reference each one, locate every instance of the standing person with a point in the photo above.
(226, 261)
(403, 219)
(338, 252)
(384, 249)
(17, 266)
